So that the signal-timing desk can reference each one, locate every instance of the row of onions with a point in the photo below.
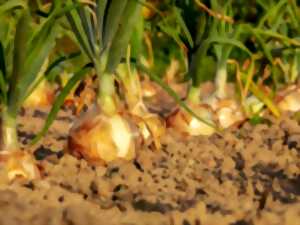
(197, 67)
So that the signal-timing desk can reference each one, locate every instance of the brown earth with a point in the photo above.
(246, 176)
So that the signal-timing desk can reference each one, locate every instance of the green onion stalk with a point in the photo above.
(222, 37)
(103, 30)
(150, 125)
(24, 48)
(218, 37)
(276, 34)
(170, 65)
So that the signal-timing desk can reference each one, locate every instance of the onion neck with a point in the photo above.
(9, 132)
(194, 95)
(221, 79)
(106, 94)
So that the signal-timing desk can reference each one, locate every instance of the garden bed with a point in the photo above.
(147, 112)
(248, 175)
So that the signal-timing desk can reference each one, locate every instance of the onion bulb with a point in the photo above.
(102, 138)
(228, 113)
(43, 95)
(290, 99)
(19, 164)
(185, 123)
(226, 110)
(150, 128)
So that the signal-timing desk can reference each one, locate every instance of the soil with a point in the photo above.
(247, 176)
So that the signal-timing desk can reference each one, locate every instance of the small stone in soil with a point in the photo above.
(40, 114)
(240, 222)
(138, 166)
(94, 188)
(29, 185)
(186, 204)
(185, 222)
(25, 135)
(239, 162)
(61, 199)
(60, 154)
(146, 206)
(111, 171)
(42, 153)
(200, 192)
(292, 144)
(64, 118)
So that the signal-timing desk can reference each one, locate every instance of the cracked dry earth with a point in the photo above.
(247, 176)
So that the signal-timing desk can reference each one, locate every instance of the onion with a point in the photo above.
(19, 164)
(43, 95)
(100, 138)
(290, 100)
(227, 110)
(150, 127)
(187, 124)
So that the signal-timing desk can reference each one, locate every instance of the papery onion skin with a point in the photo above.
(42, 96)
(228, 113)
(187, 124)
(290, 102)
(19, 164)
(95, 141)
(151, 128)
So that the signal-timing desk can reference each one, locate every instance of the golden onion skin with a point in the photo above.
(42, 96)
(100, 140)
(228, 113)
(19, 164)
(289, 99)
(188, 125)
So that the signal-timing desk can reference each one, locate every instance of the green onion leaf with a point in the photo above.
(113, 20)
(59, 101)
(131, 14)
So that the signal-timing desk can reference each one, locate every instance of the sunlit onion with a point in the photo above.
(228, 113)
(186, 123)
(19, 164)
(103, 138)
(290, 100)
(151, 128)
(43, 95)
